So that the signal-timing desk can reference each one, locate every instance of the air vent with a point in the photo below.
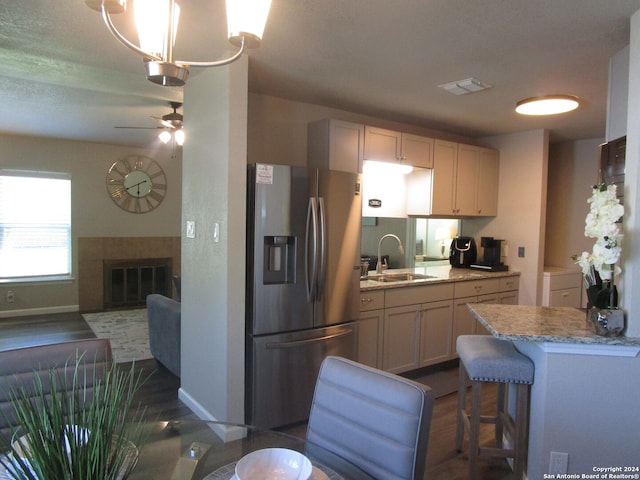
(462, 87)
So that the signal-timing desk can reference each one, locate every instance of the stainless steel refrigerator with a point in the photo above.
(303, 281)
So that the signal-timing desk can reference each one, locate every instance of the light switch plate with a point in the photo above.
(191, 229)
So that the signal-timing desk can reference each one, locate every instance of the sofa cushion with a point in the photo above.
(163, 314)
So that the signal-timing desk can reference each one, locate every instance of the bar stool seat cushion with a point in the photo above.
(489, 359)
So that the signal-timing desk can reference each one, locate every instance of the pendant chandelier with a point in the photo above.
(157, 25)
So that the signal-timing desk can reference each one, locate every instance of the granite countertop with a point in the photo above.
(437, 274)
(541, 324)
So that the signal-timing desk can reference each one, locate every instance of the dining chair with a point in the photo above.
(374, 420)
(19, 367)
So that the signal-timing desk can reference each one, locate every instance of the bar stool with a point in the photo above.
(487, 359)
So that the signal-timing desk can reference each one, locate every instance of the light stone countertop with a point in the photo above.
(438, 274)
(542, 324)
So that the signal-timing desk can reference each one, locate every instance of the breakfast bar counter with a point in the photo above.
(542, 324)
(585, 413)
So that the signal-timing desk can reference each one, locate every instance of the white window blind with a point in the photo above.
(35, 225)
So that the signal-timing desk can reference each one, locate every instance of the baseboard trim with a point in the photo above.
(227, 433)
(39, 311)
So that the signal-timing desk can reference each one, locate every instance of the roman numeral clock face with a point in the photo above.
(136, 183)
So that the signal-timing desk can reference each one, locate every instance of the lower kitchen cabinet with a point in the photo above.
(370, 325)
(561, 287)
(370, 338)
(417, 334)
(498, 290)
(401, 339)
(463, 322)
(436, 329)
(402, 329)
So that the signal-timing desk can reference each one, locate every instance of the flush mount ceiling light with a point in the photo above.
(157, 25)
(547, 105)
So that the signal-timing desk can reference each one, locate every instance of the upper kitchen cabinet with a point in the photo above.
(389, 146)
(336, 145)
(464, 180)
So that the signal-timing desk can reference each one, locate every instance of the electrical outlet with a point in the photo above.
(558, 463)
(10, 297)
(521, 252)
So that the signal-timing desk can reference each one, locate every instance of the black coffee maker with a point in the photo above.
(463, 252)
(492, 257)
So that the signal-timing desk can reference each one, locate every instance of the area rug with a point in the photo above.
(126, 329)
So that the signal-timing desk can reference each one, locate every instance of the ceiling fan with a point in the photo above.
(171, 125)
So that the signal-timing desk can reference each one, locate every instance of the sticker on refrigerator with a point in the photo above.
(264, 174)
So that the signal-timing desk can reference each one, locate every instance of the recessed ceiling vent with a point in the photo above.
(462, 87)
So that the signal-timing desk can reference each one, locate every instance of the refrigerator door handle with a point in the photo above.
(311, 249)
(322, 220)
(300, 343)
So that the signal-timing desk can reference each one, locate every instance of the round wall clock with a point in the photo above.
(136, 183)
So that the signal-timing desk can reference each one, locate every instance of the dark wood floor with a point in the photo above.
(160, 395)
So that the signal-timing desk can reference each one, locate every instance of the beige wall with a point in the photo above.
(573, 170)
(214, 176)
(277, 130)
(93, 214)
(522, 199)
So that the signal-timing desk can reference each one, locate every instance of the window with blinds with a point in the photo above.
(35, 225)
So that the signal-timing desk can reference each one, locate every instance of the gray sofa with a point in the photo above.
(163, 314)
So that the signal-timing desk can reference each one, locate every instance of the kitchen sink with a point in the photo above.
(398, 277)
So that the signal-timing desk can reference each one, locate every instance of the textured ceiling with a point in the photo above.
(63, 75)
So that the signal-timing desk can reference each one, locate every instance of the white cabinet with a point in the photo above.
(509, 290)
(474, 291)
(436, 329)
(493, 290)
(401, 339)
(401, 329)
(561, 287)
(487, 193)
(336, 145)
(417, 326)
(396, 147)
(370, 325)
(464, 180)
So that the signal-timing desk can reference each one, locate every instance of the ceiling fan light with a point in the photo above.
(547, 105)
(164, 137)
(179, 136)
(247, 18)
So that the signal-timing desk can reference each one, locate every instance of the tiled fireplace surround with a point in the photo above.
(92, 251)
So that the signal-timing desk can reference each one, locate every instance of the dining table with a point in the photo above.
(209, 450)
(192, 449)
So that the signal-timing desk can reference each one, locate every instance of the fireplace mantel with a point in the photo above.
(94, 251)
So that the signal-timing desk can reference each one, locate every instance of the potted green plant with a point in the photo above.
(66, 431)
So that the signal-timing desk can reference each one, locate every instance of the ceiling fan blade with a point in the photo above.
(142, 128)
(165, 123)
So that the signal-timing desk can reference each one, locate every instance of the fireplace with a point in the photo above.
(127, 282)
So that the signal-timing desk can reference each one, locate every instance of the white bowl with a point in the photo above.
(274, 464)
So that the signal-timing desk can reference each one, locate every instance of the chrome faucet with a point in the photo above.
(400, 247)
